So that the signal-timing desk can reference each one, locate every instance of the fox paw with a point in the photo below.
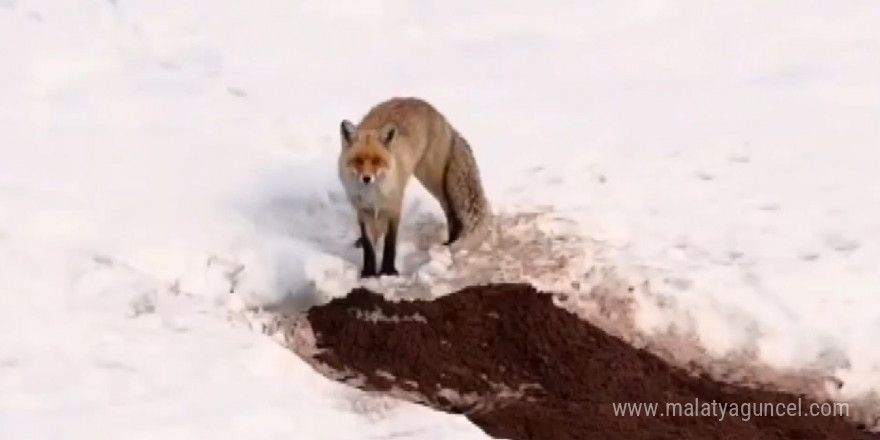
(390, 271)
(369, 273)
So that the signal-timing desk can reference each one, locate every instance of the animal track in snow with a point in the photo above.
(840, 243)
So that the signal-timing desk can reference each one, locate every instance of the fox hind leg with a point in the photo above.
(435, 182)
(454, 227)
(453, 224)
(359, 242)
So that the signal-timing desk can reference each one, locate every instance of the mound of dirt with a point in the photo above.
(521, 368)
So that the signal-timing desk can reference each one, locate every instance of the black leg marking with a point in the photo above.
(389, 253)
(454, 227)
(453, 224)
(369, 268)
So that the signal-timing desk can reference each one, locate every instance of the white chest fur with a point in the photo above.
(373, 197)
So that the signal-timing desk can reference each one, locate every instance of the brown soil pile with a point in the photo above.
(521, 368)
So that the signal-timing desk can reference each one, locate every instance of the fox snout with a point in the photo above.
(369, 178)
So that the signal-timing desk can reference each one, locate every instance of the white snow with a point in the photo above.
(155, 154)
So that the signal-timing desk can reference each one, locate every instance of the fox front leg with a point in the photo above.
(389, 252)
(360, 240)
(368, 270)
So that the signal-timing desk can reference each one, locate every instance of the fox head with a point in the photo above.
(366, 157)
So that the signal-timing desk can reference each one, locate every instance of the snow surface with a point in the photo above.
(157, 154)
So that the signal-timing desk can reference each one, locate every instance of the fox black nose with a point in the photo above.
(367, 179)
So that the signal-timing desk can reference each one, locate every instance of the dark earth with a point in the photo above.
(538, 372)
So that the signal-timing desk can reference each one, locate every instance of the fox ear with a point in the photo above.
(347, 131)
(388, 133)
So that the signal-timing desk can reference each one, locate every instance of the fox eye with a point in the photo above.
(358, 161)
(375, 161)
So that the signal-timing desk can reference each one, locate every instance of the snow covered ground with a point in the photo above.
(156, 154)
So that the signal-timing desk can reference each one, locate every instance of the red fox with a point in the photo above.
(396, 139)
